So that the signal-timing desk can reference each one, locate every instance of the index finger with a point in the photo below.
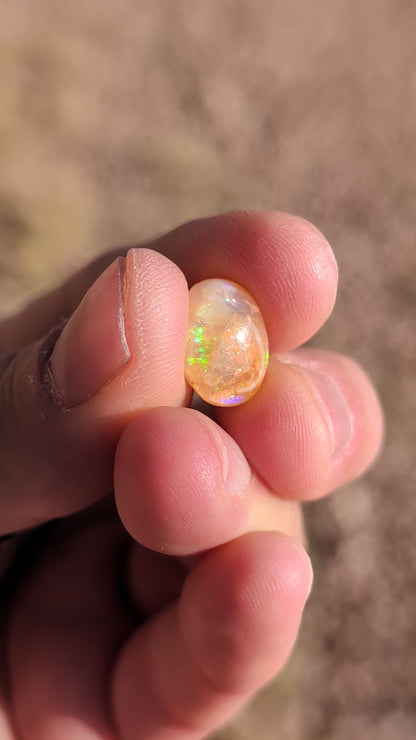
(282, 260)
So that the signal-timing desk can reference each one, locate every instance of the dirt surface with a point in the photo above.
(120, 120)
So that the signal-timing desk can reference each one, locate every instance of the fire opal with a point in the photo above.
(226, 345)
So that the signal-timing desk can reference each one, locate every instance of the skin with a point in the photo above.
(159, 611)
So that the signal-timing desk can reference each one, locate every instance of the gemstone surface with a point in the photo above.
(226, 346)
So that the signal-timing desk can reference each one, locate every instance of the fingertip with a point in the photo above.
(231, 630)
(155, 295)
(282, 260)
(241, 608)
(179, 480)
(283, 433)
(308, 284)
(127, 337)
(362, 419)
(315, 424)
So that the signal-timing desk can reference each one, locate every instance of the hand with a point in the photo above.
(166, 631)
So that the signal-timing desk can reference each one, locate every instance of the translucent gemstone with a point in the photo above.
(226, 346)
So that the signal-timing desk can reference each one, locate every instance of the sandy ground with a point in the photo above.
(120, 120)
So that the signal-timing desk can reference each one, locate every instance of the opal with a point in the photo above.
(226, 345)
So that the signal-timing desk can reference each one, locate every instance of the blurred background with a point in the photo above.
(121, 120)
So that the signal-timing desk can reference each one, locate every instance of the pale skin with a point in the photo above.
(164, 633)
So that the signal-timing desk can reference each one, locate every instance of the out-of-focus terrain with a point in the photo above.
(121, 120)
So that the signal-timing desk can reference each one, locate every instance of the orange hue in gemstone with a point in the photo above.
(226, 346)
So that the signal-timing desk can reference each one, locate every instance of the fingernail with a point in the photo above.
(235, 468)
(332, 403)
(311, 578)
(307, 569)
(92, 348)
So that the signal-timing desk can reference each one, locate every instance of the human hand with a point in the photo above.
(167, 632)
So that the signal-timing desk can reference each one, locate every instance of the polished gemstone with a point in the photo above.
(226, 346)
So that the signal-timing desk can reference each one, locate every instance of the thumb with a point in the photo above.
(64, 401)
